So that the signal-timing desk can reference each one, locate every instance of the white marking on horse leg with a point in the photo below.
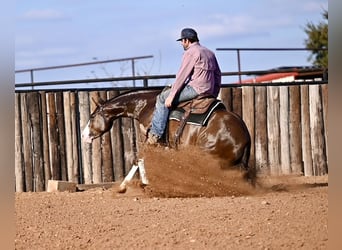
(128, 178)
(142, 172)
(85, 134)
(143, 129)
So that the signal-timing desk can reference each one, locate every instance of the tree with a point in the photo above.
(317, 41)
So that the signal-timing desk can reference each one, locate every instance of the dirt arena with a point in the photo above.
(190, 203)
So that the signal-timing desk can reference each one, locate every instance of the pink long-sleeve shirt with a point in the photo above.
(200, 70)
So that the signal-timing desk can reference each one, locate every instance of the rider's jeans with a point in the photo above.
(161, 113)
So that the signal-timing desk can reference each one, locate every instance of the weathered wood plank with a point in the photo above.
(53, 138)
(261, 156)
(73, 175)
(226, 98)
(284, 130)
(106, 152)
(69, 139)
(295, 130)
(96, 144)
(61, 135)
(248, 117)
(117, 145)
(27, 149)
(306, 141)
(317, 131)
(37, 143)
(68, 134)
(273, 129)
(45, 132)
(237, 102)
(19, 171)
(84, 109)
(324, 89)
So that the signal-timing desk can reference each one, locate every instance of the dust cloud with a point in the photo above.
(190, 172)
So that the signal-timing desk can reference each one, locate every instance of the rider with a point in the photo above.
(199, 74)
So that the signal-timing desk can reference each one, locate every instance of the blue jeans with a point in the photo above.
(161, 113)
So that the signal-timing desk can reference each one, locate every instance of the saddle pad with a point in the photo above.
(197, 119)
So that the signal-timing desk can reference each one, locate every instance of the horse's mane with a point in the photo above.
(132, 91)
(135, 91)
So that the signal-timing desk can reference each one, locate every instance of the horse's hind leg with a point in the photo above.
(250, 174)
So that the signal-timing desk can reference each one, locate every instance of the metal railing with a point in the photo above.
(238, 54)
(131, 59)
(146, 79)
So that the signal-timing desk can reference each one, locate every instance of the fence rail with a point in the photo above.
(79, 84)
(287, 124)
(130, 59)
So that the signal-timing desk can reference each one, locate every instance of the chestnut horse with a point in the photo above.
(224, 135)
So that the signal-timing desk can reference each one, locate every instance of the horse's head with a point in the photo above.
(130, 104)
(100, 121)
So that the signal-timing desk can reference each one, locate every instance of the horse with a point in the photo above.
(225, 135)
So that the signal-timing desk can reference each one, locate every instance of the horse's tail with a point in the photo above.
(246, 155)
(250, 174)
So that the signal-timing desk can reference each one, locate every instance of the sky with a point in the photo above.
(59, 32)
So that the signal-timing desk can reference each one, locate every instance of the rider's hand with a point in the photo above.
(168, 102)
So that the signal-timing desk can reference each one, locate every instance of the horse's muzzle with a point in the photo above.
(86, 135)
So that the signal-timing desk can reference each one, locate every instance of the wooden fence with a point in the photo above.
(287, 126)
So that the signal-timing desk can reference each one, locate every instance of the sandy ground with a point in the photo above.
(189, 204)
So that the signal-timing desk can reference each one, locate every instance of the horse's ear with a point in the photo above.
(96, 103)
(101, 101)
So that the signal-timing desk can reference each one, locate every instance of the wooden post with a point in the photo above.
(237, 102)
(106, 151)
(27, 149)
(261, 130)
(86, 148)
(226, 97)
(53, 138)
(96, 144)
(295, 130)
(61, 135)
(248, 117)
(324, 89)
(317, 131)
(70, 132)
(284, 129)
(306, 142)
(117, 145)
(38, 167)
(273, 130)
(74, 168)
(46, 146)
(19, 173)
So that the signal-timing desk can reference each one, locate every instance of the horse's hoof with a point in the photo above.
(122, 189)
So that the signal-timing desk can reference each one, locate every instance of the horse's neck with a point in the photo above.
(131, 106)
(138, 106)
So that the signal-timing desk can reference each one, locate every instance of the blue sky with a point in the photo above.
(57, 32)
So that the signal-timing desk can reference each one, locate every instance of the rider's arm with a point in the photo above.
(184, 72)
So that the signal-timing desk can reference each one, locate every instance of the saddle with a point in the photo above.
(196, 112)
